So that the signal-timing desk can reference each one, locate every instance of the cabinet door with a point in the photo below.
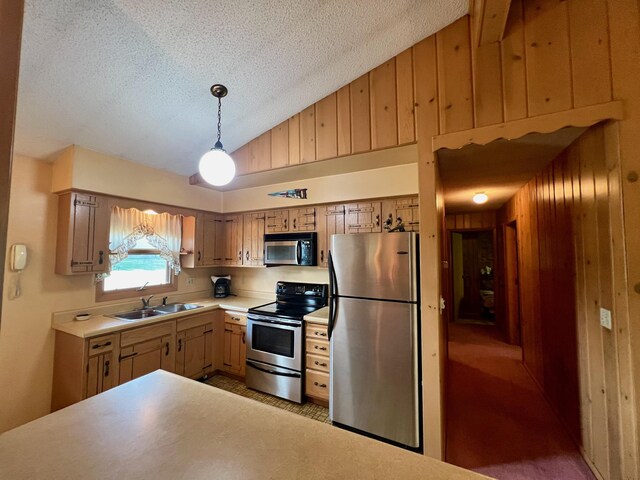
(145, 357)
(277, 221)
(254, 229)
(194, 352)
(302, 219)
(234, 349)
(83, 234)
(100, 374)
(198, 244)
(405, 210)
(212, 231)
(232, 240)
(363, 217)
(331, 219)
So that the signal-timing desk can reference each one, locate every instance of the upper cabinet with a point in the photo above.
(330, 221)
(277, 221)
(403, 212)
(253, 243)
(83, 234)
(303, 219)
(232, 254)
(363, 217)
(202, 240)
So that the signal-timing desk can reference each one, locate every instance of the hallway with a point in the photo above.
(498, 422)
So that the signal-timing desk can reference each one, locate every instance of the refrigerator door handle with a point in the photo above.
(333, 292)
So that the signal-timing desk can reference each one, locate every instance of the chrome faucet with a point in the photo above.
(164, 300)
(146, 301)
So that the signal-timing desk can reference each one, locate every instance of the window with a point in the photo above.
(144, 254)
(143, 266)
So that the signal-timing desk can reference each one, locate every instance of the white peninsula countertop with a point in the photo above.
(162, 426)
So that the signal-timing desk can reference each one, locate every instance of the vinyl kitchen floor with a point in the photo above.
(309, 410)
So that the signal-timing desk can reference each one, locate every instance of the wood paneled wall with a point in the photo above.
(554, 57)
(571, 264)
(471, 221)
(11, 12)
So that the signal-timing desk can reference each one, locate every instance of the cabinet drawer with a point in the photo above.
(317, 384)
(318, 362)
(235, 318)
(318, 347)
(146, 333)
(100, 345)
(205, 319)
(317, 331)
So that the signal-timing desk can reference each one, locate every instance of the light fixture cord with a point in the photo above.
(219, 118)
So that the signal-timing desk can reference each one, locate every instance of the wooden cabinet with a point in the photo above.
(330, 220)
(102, 371)
(363, 217)
(195, 346)
(232, 254)
(83, 234)
(405, 210)
(277, 221)
(146, 349)
(253, 238)
(203, 240)
(302, 219)
(235, 348)
(317, 362)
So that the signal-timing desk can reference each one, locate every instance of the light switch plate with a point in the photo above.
(605, 318)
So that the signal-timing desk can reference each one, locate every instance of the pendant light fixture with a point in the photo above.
(216, 166)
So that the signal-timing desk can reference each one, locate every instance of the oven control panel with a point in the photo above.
(292, 289)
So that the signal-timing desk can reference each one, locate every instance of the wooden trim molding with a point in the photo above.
(11, 13)
(577, 117)
(489, 20)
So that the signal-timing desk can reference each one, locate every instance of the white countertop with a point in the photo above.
(320, 316)
(162, 426)
(101, 324)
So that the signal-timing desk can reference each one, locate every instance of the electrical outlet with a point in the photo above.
(605, 318)
(189, 280)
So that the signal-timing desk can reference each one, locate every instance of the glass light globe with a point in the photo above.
(217, 167)
(480, 198)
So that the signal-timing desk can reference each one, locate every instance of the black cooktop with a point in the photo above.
(294, 300)
(284, 310)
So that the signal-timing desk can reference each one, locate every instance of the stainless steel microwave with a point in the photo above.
(290, 249)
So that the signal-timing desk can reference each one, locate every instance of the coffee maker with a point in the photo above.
(221, 286)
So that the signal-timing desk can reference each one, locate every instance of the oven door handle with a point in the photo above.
(268, 321)
(273, 372)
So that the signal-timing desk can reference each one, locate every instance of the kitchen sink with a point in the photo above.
(176, 307)
(138, 314)
(155, 311)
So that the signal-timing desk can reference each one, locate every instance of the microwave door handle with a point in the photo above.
(298, 252)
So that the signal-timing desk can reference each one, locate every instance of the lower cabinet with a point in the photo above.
(194, 348)
(191, 346)
(146, 349)
(235, 343)
(317, 362)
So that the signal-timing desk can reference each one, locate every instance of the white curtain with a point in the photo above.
(162, 231)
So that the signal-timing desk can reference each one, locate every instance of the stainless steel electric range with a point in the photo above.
(275, 339)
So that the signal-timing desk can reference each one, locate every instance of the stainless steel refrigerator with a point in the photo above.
(374, 322)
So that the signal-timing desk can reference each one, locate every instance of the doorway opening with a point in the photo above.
(473, 264)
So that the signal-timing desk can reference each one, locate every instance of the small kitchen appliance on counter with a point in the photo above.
(275, 339)
(221, 286)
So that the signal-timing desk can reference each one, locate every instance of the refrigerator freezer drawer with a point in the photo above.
(374, 369)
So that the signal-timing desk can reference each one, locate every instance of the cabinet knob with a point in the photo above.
(243, 337)
(321, 256)
(321, 385)
(101, 257)
(321, 364)
(320, 334)
(247, 255)
(100, 345)
(179, 344)
(166, 349)
(106, 368)
(199, 256)
(319, 348)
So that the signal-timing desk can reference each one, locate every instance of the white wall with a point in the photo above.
(263, 280)
(26, 337)
(84, 169)
(380, 182)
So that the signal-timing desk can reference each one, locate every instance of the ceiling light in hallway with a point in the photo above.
(480, 198)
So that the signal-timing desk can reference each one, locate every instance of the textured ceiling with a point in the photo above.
(131, 77)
